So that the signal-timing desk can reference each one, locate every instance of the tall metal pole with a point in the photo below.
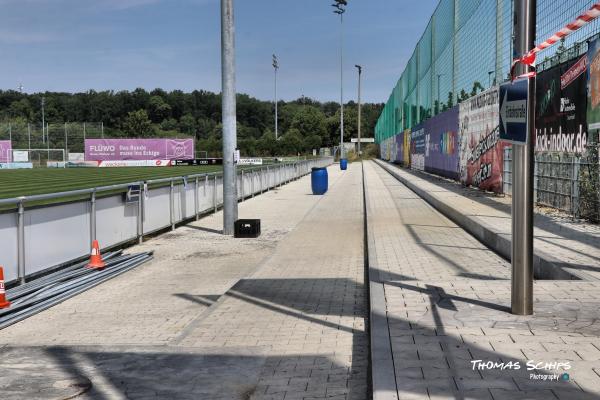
(43, 120)
(230, 210)
(523, 167)
(341, 85)
(276, 67)
(359, 108)
(438, 93)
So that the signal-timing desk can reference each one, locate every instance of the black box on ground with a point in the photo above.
(247, 228)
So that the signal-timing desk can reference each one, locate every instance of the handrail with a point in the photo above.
(99, 189)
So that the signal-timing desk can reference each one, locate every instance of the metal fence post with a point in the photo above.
(171, 205)
(242, 185)
(21, 243)
(268, 179)
(196, 200)
(92, 217)
(215, 195)
(140, 220)
(252, 176)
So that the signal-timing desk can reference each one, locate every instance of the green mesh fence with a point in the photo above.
(465, 49)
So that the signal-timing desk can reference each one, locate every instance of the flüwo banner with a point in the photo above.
(138, 149)
(5, 151)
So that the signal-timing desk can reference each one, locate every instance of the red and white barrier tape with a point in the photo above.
(529, 58)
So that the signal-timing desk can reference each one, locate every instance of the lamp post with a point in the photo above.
(340, 9)
(359, 75)
(230, 210)
(275, 67)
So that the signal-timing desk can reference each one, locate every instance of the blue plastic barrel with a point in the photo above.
(343, 164)
(319, 180)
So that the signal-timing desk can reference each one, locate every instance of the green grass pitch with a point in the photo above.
(27, 182)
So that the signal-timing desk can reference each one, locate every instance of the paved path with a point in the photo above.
(213, 317)
(446, 305)
(571, 246)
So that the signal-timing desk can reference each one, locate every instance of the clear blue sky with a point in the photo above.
(76, 45)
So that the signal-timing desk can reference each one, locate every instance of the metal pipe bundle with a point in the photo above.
(45, 292)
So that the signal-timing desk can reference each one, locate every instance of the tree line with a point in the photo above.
(304, 124)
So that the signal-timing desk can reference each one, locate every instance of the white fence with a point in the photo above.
(36, 238)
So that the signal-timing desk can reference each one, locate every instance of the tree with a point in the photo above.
(309, 120)
(187, 124)
(137, 123)
(159, 109)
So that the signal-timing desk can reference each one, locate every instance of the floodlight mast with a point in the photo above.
(340, 9)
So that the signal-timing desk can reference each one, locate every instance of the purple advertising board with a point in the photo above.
(5, 151)
(434, 145)
(138, 149)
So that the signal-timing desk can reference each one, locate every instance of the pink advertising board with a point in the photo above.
(138, 149)
(5, 151)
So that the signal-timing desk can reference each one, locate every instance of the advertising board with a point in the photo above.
(5, 151)
(138, 149)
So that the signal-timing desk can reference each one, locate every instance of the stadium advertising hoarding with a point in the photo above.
(5, 151)
(593, 85)
(434, 145)
(560, 123)
(481, 151)
(134, 163)
(138, 149)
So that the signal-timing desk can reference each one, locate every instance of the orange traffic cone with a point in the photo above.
(95, 257)
(3, 302)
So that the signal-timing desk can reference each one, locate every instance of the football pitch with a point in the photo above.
(27, 182)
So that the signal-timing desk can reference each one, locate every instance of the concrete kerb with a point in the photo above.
(545, 266)
(383, 376)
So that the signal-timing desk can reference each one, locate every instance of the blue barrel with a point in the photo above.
(319, 180)
(343, 164)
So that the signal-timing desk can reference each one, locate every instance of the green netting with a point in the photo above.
(465, 48)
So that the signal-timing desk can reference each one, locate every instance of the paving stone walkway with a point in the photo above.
(572, 245)
(212, 317)
(446, 307)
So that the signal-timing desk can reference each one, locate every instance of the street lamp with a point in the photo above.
(340, 9)
(275, 67)
(359, 74)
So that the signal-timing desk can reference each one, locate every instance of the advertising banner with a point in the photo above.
(134, 163)
(399, 157)
(138, 149)
(560, 118)
(434, 145)
(5, 151)
(406, 148)
(198, 161)
(417, 148)
(593, 84)
(20, 156)
(481, 152)
(253, 161)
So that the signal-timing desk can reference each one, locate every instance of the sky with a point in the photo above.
(78, 45)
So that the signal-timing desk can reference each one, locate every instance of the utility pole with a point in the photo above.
(340, 10)
(230, 210)
(359, 75)
(276, 67)
(522, 166)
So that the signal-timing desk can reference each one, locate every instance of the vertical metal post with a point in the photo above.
(359, 107)
(196, 200)
(21, 243)
(267, 179)
(140, 215)
(92, 217)
(229, 116)
(29, 137)
(341, 85)
(522, 194)
(215, 194)
(43, 119)
(242, 184)
(252, 176)
(84, 131)
(171, 210)
(276, 67)
(66, 142)
(102, 129)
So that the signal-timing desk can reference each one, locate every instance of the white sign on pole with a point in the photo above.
(363, 140)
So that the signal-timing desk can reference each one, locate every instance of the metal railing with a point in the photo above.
(37, 237)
